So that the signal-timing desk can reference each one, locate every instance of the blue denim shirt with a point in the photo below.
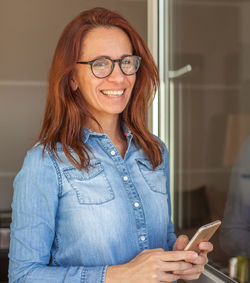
(69, 225)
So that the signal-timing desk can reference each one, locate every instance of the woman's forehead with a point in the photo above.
(106, 41)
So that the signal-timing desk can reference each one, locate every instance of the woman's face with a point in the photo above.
(106, 97)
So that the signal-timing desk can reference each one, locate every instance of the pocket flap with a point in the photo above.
(95, 169)
(148, 165)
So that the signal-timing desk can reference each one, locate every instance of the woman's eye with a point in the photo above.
(126, 62)
(100, 64)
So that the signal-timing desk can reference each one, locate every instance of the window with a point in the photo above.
(204, 59)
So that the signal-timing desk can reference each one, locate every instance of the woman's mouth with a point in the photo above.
(113, 93)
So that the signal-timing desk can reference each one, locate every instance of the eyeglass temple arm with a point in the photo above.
(80, 62)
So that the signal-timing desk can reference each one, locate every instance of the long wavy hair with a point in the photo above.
(66, 111)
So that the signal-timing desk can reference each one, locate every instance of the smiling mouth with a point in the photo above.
(113, 93)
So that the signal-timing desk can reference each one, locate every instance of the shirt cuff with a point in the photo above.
(93, 274)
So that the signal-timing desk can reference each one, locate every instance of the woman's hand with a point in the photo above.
(152, 266)
(197, 264)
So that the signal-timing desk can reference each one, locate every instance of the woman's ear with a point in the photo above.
(73, 84)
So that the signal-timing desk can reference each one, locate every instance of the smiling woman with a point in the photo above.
(99, 33)
(108, 96)
(91, 202)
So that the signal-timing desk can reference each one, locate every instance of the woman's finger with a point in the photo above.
(167, 277)
(178, 256)
(175, 266)
(200, 260)
(180, 243)
(206, 247)
(196, 269)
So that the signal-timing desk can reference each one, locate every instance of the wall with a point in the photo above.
(29, 31)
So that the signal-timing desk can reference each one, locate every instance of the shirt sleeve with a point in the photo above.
(171, 238)
(34, 208)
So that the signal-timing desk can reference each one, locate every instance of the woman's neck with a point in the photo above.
(112, 128)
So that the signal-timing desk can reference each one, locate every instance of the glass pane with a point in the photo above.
(211, 114)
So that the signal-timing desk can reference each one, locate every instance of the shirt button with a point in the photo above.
(125, 178)
(136, 204)
(112, 152)
(142, 238)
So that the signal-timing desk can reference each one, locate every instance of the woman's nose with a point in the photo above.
(117, 74)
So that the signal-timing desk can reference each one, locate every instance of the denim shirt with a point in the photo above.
(69, 225)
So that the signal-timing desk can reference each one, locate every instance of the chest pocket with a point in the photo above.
(156, 179)
(91, 187)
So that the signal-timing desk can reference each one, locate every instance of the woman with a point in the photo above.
(91, 203)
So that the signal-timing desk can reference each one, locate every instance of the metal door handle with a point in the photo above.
(180, 72)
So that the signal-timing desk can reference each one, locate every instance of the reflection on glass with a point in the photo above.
(235, 231)
(212, 121)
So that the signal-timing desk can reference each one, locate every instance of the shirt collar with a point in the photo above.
(87, 133)
(126, 130)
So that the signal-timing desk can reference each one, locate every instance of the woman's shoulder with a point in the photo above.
(37, 153)
(37, 159)
(163, 144)
(164, 152)
(45, 158)
(37, 175)
(41, 152)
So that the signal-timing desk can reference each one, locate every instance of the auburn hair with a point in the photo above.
(66, 110)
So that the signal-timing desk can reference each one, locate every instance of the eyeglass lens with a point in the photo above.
(104, 66)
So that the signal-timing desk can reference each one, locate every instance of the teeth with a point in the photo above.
(113, 93)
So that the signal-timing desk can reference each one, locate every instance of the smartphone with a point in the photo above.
(203, 234)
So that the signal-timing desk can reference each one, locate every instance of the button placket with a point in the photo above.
(138, 211)
(132, 193)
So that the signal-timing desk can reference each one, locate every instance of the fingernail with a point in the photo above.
(202, 245)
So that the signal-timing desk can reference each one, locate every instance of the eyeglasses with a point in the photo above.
(103, 67)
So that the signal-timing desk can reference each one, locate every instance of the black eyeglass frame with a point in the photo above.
(113, 64)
